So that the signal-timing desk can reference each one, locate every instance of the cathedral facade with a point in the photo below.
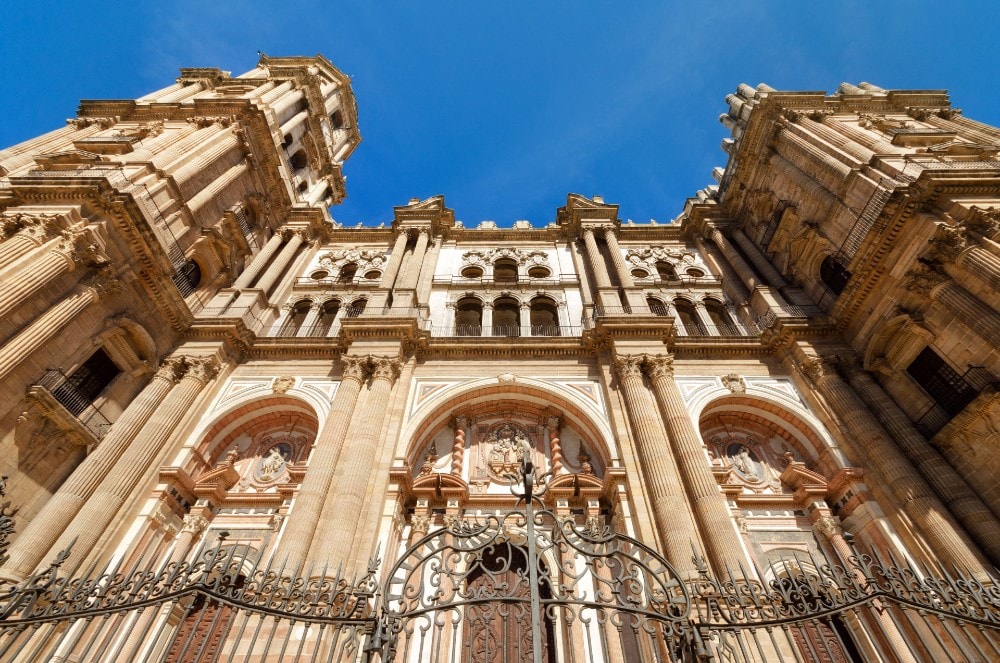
(196, 357)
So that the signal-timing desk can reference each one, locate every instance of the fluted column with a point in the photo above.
(208, 152)
(23, 234)
(596, 260)
(708, 504)
(621, 268)
(662, 480)
(395, 260)
(763, 265)
(555, 445)
(191, 530)
(838, 139)
(742, 268)
(979, 318)
(302, 521)
(40, 535)
(259, 262)
(458, 446)
(981, 264)
(867, 138)
(408, 279)
(62, 257)
(280, 263)
(902, 479)
(346, 500)
(211, 192)
(732, 285)
(101, 508)
(964, 504)
(45, 327)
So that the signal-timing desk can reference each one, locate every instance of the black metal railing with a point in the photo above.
(67, 394)
(953, 399)
(505, 330)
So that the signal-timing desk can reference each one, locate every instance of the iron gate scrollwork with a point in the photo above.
(526, 585)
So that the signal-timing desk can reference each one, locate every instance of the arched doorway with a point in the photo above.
(506, 317)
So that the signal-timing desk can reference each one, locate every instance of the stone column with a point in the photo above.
(212, 192)
(979, 318)
(23, 234)
(395, 260)
(458, 447)
(902, 479)
(303, 520)
(347, 499)
(63, 256)
(427, 273)
(259, 262)
(963, 503)
(981, 264)
(662, 480)
(869, 139)
(760, 262)
(525, 319)
(191, 530)
(280, 263)
(555, 447)
(621, 267)
(102, 507)
(708, 503)
(40, 535)
(742, 268)
(46, 326)
(595, 259)
(859, 152)
(408, 279)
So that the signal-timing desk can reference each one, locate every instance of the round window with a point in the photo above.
(539, 272)
(373, 274)
(319, 275)
(695, 273)
(640, 273)
(472, 272)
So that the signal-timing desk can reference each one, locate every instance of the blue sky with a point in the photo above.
(505, 107)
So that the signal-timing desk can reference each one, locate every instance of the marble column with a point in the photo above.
(596, 260)
(555, 445)
(963, 503)
(733, 257)
(902, 479)
(46, 326)
(259, 262)
(621, 267)
(709, 505)
(40, 535)
(281, 262)
(347, 498)
(458, 446)
(662, 479)
(305, 514)
(102, 507)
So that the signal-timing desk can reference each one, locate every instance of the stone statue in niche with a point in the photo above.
(508, 446)
(745, 463)
(273, 462)
(586, 467)
(429, 460)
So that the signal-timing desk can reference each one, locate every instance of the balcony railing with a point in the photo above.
(506, 331)
(965, 390)
(75, 402)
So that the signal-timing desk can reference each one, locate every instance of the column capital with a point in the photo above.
(353, 367)
(828, 526)
(553, 422)
(80, 249)
(946, 244)
(386, 368)
(172, 369)
(103, 281)
(460, 422)
(202, 368)
(420, 523)
(819, 367)
(38, 227)
(659, 366)
(628, 366)
(194, 525)
(923, 279)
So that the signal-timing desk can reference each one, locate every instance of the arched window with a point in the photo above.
(356, 308)
(665, 271)
(327, 316)
(505, 271)
(720, 317)
(544, 317)
(188, 277)
(347, 273)
(299, 160)
(689, 318)
(656, 307)
(468, 317)
(506, 317)
(295, 319)
(834, 274)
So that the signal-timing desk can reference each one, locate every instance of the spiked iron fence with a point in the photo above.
(516, 585)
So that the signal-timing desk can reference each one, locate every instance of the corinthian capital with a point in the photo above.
(386, 368)
(817, 367)
(194, 525)
(104, 281)
(828, 526)
(202, 368)
(35, 226)
(353, 367)
(172, 368)
(628, 366)
(82, 251)
(659, 366)
(923, 279)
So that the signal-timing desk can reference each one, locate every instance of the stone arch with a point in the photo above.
(252, 417)
(438, 411)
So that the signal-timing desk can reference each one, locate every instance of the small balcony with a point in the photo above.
(60, 400)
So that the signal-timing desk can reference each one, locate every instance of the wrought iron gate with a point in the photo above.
(513, 585)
